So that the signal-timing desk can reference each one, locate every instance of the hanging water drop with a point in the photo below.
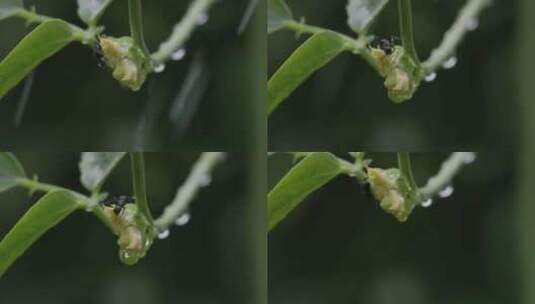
(164, 234)
(128, 257)
(159, 68)
(183, 219)
(205, 180)
(446, 192)
(471, 24)
(469, 157)
(202, 19)
(179, 54)
(427, 203)
(450, 63)
(430, 77)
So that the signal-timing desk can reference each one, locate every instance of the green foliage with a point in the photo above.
(96, 166)
(307, 176)
(402, 75)
(9, 8)
(43, 42)
(134, 231)
(316, 52)
(279, 14)
(45, 214)
(390, 188)
(361, 13)
(127, 60)
(10, 170)
(91, 10)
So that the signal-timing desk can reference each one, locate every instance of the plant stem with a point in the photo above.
(182, 31)
(34, 185)
(301, 27)
(448, 170)
(355, 170)
(356, 46)
(466, 21)
(32, 17)
(352, 169)
(197, 178)
(84, 36)
(405, 25)
(138, 182)
(135, 11)
(404, 164)
(85, 202)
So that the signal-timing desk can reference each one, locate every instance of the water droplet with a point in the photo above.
(159, 68)
(446, 192)
(205, 180)
(430, 77)
(469, 157)
(450, 63)
(427, 203)
(164, 234)
(202, 19)
(128, 257)
(471, 24)
(179, 54)
(183, 219)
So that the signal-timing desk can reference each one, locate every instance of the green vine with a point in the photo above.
(399, 65)
(394, 189)
(129, 219)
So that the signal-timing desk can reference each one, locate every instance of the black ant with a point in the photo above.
(118, 202)
(366, 189)
(385, 44)
(99, 54)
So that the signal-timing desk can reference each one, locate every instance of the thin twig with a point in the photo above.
(445, 175)
(356, 46)
(405, 167)
(138, 181)
(405, 26)
(182, 31)
(466, 21)
(87, 36)
(197, 178)
(136, 24)
(84, 201)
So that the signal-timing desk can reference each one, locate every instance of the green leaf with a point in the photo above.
(10, 170)
(96, 166)
(9, 8)
(43, 42)
(316, 52)
(91, 10)
(45, 214)
(278, 15)
(308, 175)
(361, 13)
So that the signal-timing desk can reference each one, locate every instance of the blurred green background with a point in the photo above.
(76, 105)
(212, 259)
(338, 246)
(344, 106)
